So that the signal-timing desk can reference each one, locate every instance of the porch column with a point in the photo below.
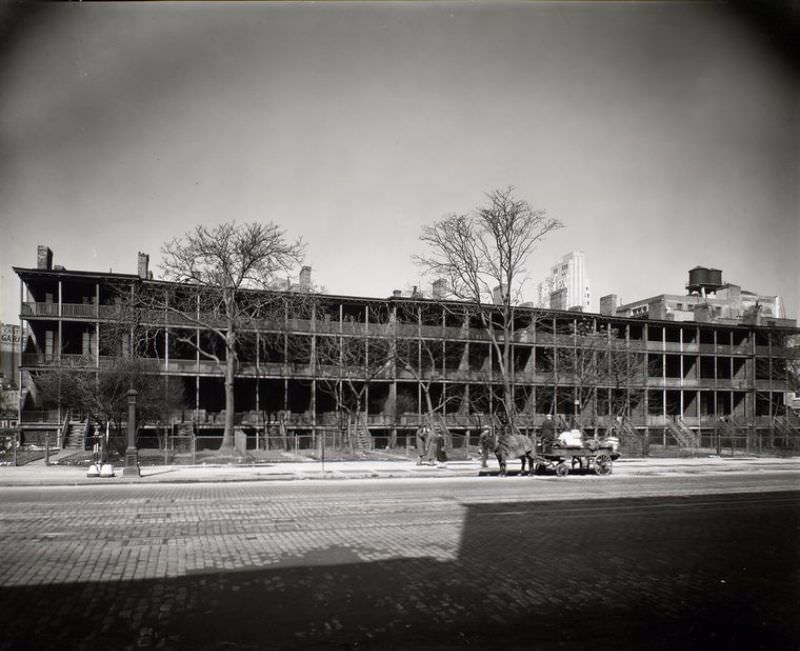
(60, 328)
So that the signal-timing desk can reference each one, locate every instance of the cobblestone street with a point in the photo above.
(670, 563)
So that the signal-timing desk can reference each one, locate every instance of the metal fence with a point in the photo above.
(254, 446)
(14, 452)
(745, 442)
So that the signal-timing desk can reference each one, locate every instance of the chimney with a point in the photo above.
(439, 288)
(396, 293)
(44, 258)
(144, 262)
(608, 305)
(498, 295)
(305, 277)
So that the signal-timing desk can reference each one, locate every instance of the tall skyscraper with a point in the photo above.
(567, 286)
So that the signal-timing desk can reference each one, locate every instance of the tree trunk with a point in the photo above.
(359, 425)
(428, 403)
(505, 371)
(227, 436)
(230, 369)
(509, 405)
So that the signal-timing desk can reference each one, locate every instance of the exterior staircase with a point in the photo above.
(361, 435)
(628, 430)
(75, 439)
(788, 428)
(731, 428)
(184, 437)
(630, 440)
(787, 425)
(734, 431)
(685, 437)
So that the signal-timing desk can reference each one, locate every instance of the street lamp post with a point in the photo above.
(131, 454)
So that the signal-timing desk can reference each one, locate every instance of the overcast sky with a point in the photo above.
(664, 136)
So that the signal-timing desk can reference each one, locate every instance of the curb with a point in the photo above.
(144, 481)
(475, 471)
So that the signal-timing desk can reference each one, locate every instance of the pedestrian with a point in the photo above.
(503, 444)
(430, 447)
(441, 455)
(422, 444)
(97, 448)
(548, 434)
(484, 440)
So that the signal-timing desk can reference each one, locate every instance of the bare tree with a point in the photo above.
(102, 396)
(793, 363)
(482, 258)
(216, 276)
(599, 362)
(348, 362)
(423, 358)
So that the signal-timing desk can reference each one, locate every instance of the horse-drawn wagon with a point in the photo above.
(600, 459)
(562, 456)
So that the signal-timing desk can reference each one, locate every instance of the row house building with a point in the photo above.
(686, 383)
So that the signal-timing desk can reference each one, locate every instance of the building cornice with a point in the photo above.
(59, 274)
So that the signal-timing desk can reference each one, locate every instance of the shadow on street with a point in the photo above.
(702, 572)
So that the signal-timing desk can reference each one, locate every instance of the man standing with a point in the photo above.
(548, 434)
(422, 444)
(485, 441)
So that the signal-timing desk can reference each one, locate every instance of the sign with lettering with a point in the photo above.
(10, 334)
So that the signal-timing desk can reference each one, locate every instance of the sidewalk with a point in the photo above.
(37, 474)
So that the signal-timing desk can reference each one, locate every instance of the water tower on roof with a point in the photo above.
(704, 281)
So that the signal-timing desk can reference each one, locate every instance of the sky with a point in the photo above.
(663, 135)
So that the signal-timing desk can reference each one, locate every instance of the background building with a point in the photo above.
(708, 299)
(567, 287)
(10, 337)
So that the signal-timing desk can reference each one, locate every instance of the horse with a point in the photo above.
(511, 446)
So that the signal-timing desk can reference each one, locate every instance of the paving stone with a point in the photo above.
(394, 571)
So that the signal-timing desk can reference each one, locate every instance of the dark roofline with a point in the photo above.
(642, 300)
(22, 272)
(706, 268)
(27, 272)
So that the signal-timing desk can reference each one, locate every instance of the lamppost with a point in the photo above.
(131, 454)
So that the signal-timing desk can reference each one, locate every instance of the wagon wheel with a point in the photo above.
(562, 469)
(603, 464)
